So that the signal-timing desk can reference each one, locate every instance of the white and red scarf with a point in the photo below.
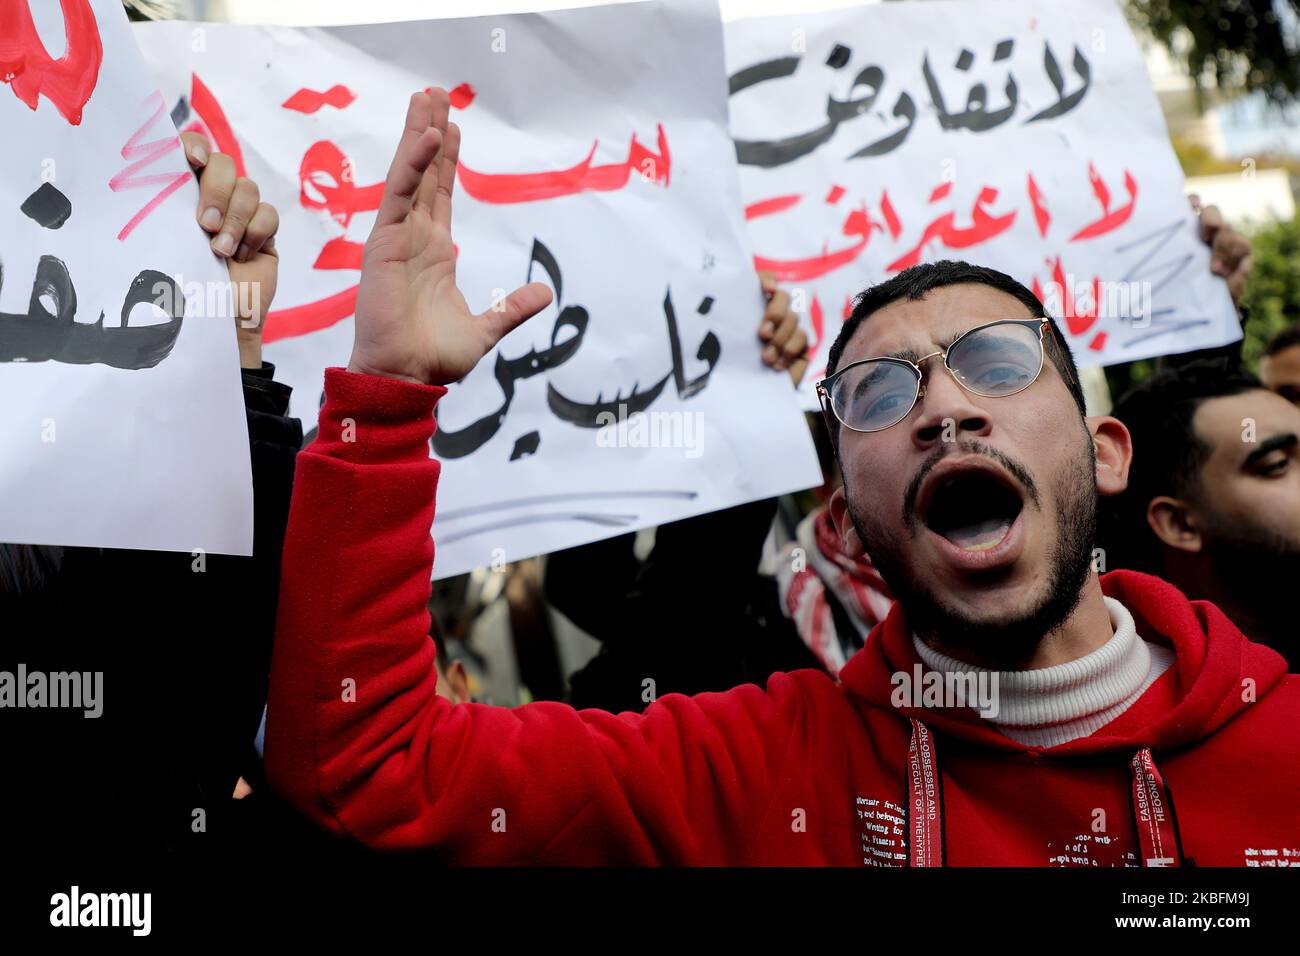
(834, 600)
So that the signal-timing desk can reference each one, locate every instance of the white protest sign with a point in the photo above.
(595, 158)
(1017, 134)
(122, 421)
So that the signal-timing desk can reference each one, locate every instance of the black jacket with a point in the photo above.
(185, 658)
(696, 616)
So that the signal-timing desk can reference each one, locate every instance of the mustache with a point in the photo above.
(1013, 467)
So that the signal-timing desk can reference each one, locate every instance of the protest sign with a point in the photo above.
(1018, 134)
(121, 416)
(596, 159)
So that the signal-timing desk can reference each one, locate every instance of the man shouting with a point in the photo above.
(1127, 725)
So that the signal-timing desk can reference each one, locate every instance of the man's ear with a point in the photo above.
(458, 678)
(1114, 453)
(1174, 523)
(850, 543)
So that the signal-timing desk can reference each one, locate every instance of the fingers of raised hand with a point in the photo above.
(516, 308)
(416, 151)
(435, 188)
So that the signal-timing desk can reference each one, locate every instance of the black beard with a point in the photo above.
(1011, 638)
(1257, 569)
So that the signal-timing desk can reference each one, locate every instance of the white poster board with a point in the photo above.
(595, 158)
(122, 419)
(1017, 134)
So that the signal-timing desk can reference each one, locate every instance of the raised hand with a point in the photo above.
(412, 322)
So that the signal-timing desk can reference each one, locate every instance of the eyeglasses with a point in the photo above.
(994, 360)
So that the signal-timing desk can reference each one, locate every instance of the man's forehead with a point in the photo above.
(1232, 425)
(1284, 366)
(924, 325)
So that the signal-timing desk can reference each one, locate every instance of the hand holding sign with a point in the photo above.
(785, 344)
(245, 227)
(412, 322)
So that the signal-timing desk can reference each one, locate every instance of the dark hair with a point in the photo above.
(1289, 337)
(915, 282)
(438, 635)
(1168, 455)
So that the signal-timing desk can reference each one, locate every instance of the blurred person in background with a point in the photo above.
(1279, 368)
(1213, 499)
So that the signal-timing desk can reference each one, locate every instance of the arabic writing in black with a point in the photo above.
(53, 334)
(977, 116)
(508, 371)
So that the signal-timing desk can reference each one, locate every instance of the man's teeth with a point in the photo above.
(980, 536)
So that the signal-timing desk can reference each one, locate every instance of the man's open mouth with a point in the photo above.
(973, 507)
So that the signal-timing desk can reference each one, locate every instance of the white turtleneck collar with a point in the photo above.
(1054, 705)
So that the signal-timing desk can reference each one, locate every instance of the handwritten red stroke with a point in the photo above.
(818, 321)
(310, 101)
(312, 317)
(462, 96)
(504, 188)
(1109, 220)
(340, 253)
(341, 201)
(768, 207)
(326, 181)
(891, 218)
(1041, 216)
(144, 154)
(1077, 320)
(27, 67)
(944, 229)
(213, 117)
(858, 223)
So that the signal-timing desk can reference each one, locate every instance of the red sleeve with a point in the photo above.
(358, 739)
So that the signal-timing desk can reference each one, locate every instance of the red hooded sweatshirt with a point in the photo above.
(1203, 768)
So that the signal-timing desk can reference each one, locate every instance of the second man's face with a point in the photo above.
(1249, 487)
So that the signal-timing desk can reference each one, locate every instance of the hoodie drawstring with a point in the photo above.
(925, 803)
(1153, 807)
(1153, 813)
